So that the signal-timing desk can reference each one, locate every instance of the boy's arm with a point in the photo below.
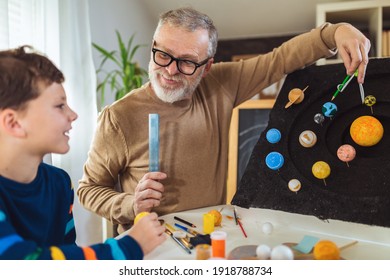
(14, 247)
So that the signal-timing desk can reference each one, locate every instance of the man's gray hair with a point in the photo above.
(191, 20)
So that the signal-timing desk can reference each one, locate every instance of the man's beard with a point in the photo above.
(171, 95)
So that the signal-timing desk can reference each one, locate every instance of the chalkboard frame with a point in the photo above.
(253, 104)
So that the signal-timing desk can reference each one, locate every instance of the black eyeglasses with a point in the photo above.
(186, 67)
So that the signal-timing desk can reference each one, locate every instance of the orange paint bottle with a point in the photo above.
(218, 244)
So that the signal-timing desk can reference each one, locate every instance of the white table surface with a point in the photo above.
(373, 242)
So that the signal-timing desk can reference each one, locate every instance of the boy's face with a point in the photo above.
(47, 121)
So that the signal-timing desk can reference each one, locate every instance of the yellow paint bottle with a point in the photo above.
(208, 223)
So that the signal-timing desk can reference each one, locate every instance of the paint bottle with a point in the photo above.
(203, 251)
(208, 223)
(218, 244)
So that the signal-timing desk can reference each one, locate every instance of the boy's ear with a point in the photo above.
(9, 123)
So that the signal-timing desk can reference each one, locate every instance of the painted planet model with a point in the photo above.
(329, 109)
(307, 139)
(326, 250)
(274, 160)
(273, 135)
(320, 169)
(346, 153)
(319, 118)
(140, 216)
(295, 96)
(294, 185)
(369, 100)
(366, 131)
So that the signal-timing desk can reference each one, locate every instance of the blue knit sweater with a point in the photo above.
(36, 222)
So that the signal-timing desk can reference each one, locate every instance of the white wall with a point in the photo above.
(126, 16)
(233, 18)
(250, 18)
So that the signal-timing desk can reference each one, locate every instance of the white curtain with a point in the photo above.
(76, 62)
(4, 36)
(60, 29)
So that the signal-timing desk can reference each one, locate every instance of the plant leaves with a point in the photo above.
(127, 74)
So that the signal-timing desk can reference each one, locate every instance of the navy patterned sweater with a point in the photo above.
(36, 222)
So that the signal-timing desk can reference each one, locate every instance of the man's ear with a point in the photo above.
(9, 122)
(208, 66)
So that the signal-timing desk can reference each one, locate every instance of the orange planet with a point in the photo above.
(217, 217)
(295, 96)
(326, 250)
(366, 131)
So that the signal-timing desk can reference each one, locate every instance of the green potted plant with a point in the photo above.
(126, 75)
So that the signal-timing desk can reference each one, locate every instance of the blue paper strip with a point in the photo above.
(154, 142)
(306, 244)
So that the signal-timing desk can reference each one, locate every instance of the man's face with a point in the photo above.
(169, 84)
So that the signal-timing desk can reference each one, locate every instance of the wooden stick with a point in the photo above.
(348, 245)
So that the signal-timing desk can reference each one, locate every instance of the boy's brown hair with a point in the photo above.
(23, 72)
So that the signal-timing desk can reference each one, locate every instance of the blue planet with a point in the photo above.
(273, 135)
(329, 109)
(274, 160)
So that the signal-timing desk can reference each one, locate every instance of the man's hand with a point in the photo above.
(353, 48)
(148, 192)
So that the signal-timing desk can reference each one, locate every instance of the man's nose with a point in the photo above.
(172, 68)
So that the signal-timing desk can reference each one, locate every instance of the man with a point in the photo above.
(195, 99)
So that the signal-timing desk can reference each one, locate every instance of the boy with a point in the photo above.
(36, 199)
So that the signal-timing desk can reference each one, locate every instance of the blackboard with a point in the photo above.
(251, 123)
(248, 121)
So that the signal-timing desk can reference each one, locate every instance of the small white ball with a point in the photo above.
(263, 252)
(282, 252)
(267, 228)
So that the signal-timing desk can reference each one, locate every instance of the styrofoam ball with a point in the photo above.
(263, 252)
(282, 252)
(267, 228)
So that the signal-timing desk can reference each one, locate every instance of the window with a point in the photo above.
(30, 22)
